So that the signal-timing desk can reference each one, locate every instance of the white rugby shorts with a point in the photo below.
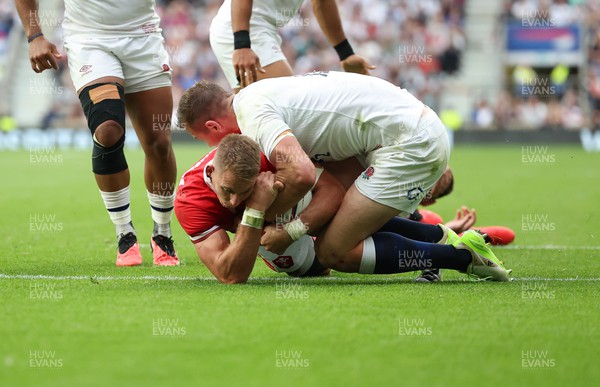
(400, 175)
(141, 61)
(265, 42)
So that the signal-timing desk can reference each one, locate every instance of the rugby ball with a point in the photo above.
(295, 261)
(300, 255)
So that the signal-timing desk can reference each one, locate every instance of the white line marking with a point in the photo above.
(547, 247)
(178, 278)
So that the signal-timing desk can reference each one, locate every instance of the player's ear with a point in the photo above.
(209, 170)
(212, 125)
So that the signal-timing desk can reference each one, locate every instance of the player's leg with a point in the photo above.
(347, 171)
(98, 79)
(150, 113)
(104, 107)
(149, 103)
(266, 44)
(274, 70)
(397, 179)
(352, 242)
(277, 69)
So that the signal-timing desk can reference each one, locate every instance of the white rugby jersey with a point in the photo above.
(333, 115)
(110, 18)
(265, 13)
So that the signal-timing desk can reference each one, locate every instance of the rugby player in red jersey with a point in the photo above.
(211, 199)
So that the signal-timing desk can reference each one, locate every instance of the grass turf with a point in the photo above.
(132, 326)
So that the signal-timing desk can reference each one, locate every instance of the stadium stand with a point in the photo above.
(452, 54)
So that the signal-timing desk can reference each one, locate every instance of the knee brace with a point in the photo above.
(103, 102)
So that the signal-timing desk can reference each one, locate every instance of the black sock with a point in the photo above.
(414, 230)
(387, 253)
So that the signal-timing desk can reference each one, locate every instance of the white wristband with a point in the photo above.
(296, 228)
(253, 218)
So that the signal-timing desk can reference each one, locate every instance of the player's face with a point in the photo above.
(230, 190)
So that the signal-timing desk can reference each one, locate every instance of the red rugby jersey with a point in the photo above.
(197, 207)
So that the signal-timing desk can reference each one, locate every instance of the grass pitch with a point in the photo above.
(70, 317)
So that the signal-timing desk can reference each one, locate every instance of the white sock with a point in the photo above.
(117, 205)
(367, 262)
(162, 211)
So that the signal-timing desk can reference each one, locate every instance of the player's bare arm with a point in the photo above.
(42, 53)
(294, 170)
(327, 196)
(232, 263)
(328, 16)
(245, 61)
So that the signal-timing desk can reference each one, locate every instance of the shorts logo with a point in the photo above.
(317, 158)
(85, 69)
(414, 193)
(166, 67)
(276, 49)
(284, 261)
(368, 173)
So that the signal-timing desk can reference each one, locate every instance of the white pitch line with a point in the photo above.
(100, 278)
(556, 279)
(547, 247)
(274, 279)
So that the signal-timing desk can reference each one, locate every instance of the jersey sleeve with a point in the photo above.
(198, 222)
(259, 119)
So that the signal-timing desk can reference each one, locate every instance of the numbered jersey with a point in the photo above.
(334, 115)
(116, 18)
(197, 206)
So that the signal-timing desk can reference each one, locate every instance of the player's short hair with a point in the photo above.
(239, 154)
(204, 99)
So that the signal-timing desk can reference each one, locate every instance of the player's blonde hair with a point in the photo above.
(204, 99)
(239, 154)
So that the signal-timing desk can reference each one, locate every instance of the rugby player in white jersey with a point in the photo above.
(244, 38)
(118, 62)
(330, 116)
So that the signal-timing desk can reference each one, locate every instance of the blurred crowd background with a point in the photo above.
(416, 44)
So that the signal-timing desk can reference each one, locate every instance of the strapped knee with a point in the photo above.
(104, 102)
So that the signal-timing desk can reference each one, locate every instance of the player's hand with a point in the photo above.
(276, 239)
(246, 65)
(265, 191)
(43, 55)
(464, 220)
(356, 64)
